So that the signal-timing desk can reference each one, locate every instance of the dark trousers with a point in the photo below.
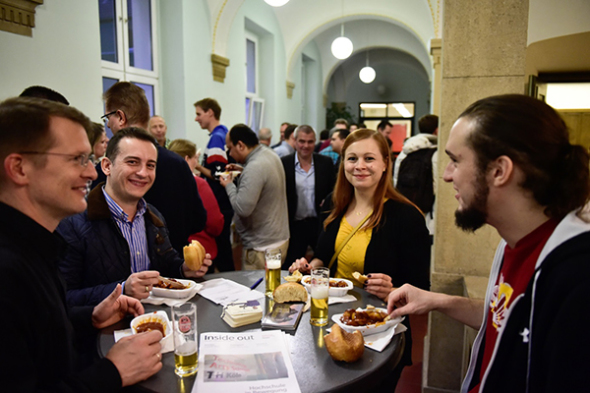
(303, 233)
(225, 259)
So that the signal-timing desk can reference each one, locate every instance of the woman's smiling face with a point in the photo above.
(363, 164)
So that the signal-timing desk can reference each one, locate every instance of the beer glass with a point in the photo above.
(320, 286)
(273, 269)
(184, 322)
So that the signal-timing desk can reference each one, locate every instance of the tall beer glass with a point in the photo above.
(320, 287)
(273, 269)
(184, 320)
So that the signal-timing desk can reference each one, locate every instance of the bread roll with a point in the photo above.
(360, 277)
(194, 255)
(344, 346)
(296, 276)
(290, 292)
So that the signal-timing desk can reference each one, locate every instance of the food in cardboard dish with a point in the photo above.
(169, 283)
(157, 320)
(175, 293)
(375, 324)
(338, 286)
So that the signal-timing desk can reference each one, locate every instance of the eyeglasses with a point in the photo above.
(105, 117)
(82, 159)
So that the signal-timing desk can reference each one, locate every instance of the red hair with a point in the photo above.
(344, 191)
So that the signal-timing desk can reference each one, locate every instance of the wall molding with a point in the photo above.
(18, 16)
(220, 63)
(290, 87)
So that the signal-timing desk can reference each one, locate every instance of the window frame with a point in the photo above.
(253, 97)
(122, 69)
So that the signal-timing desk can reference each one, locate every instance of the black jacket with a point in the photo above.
(36, 334)
(97, 257)
(324, 181)
(399, 247)
(174, 193)
(544, 344)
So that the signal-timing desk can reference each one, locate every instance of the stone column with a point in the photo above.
(483, 54)
(436, 53)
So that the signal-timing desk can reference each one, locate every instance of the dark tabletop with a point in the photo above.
(314, 368)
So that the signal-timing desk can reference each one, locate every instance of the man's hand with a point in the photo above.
(139, 285)
(379, 285)
(224, 180)
(409, 300)
(114, 308)
(137, 357)
(198, 273)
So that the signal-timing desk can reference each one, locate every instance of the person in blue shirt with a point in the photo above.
(120, 233)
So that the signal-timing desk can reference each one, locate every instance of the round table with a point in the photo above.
(314, 368)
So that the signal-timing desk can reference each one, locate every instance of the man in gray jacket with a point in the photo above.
(259, 199)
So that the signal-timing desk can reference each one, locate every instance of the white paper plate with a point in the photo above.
(333, 292)
(176, 293)
(162, 314)
(369, 329)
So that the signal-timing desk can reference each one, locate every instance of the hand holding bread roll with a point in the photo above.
(194, 255)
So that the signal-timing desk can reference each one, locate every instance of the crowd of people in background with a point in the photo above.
(124, 209)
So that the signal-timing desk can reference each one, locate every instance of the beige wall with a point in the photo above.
(561, 54)
(483, 54)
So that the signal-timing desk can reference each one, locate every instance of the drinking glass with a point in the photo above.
(320, 287)
(184, 321)
(273, 269)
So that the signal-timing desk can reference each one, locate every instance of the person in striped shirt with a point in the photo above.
(120, 238)
(215, 159)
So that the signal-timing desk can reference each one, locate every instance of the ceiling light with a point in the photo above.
(367, 74)
(342, 48)
(276, 3)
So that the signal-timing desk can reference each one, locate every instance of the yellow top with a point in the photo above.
(352, 257)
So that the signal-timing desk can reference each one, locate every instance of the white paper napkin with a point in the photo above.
(157, 300)
(379, 341)
(342, 299)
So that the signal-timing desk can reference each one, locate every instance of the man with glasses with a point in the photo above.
(44, 153)
(174, 192)
(119, 232)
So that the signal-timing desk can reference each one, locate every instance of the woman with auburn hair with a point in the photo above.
(390, 243)
(188, 150)
(99, 141)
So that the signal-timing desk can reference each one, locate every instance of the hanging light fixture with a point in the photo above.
(367, 74)
(342, 46)
(276, 3)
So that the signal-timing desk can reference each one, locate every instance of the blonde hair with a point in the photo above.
(183, 148)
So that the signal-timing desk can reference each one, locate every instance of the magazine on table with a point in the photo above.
(245, 363)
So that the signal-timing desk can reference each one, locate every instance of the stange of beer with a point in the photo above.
(273, 275)
(319, 305)
(186, 359)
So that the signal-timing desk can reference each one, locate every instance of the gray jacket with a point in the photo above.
(260, 200)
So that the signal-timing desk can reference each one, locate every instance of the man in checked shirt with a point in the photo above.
(120, 238)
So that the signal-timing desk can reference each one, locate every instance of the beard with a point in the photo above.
(475, 215)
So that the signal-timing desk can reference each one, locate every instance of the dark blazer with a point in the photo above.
(97, 257)
(174, 193)
(324, 181)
